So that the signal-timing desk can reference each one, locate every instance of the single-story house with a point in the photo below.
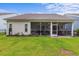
(40, 24)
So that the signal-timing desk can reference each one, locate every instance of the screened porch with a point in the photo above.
(52, 28)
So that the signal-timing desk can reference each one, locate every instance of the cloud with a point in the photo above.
(2, 22)
(37, 12)
(62, 7)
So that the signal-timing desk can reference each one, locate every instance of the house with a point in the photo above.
(40, 24)
(3, 22)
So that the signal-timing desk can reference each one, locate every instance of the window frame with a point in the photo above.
(26, 27)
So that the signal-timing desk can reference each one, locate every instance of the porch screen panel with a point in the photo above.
(64, 29)
(35, 28)
(45, 28)
(40, 28)
(68, 28)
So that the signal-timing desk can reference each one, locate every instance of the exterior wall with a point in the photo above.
(19, 27)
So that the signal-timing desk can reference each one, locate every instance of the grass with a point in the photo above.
(38, 46)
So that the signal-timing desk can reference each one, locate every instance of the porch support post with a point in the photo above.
(50, 28)
(40, 28)
(72, 30)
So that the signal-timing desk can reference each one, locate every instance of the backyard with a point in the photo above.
(38, 46)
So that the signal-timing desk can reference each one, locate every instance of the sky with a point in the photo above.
(39, 7)
(21, 8)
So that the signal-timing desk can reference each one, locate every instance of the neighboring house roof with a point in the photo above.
(40, 16)
(5, 14)
(74, 14)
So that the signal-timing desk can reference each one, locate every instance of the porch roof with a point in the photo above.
(40, 17)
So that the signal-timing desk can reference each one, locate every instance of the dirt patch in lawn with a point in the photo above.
(66, 52)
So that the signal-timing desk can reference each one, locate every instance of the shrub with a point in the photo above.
(16, 34)
(77, 32)
(22, 33)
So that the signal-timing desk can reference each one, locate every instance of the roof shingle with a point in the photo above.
(39, 16)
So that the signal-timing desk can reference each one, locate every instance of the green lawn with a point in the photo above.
(38, 46)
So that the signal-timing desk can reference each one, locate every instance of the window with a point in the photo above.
(25, 27)
(10, 27)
